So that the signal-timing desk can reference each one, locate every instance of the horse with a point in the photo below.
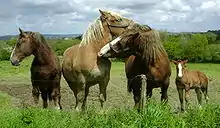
(45, 68)
(186, 80)
(146, 55)
(82, 68)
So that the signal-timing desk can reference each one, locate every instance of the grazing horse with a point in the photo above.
(147, 56)
(82, 68)
(186, 80)
(45, 68)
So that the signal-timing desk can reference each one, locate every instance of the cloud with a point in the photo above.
(74, 16)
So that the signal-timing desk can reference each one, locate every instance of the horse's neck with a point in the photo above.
(185, 70)
(42, 54)
(98, 44)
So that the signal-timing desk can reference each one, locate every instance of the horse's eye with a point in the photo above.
(119, 20)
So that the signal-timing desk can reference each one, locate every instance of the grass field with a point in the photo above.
(15, 94)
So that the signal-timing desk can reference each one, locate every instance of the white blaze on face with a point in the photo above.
(180, 68)
(12, 53)
(107, 48)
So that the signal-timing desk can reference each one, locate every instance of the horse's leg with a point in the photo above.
(56, 96)
(136, 89)
(80, 95)
(164, 97)
(187, 94)
(164, 88)
(85, 97)
(35, 92)
(44, 96)
(73, 87)
(199, 96)
(180, 92)
(137, 98)
(102, 89)
(205, 92)
(149, 93)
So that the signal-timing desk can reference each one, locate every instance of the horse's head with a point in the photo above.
(23, 47)
(123, 46)
(180, 65)
(114, 22)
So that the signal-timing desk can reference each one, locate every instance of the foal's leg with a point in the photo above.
(199, 95)
(187, 94)
(180, 92)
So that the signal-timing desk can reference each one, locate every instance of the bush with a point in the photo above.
(4, 51)
(59, 46)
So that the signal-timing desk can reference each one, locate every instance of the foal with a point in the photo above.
(187, 80)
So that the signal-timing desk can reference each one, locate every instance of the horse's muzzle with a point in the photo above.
(15, 63)
(100, 54)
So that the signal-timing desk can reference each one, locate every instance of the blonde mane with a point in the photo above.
(94, 32)
(114, 13)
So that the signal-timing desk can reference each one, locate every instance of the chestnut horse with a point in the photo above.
(148, 57)
(81, 68)
(45, 68)
(186, 80)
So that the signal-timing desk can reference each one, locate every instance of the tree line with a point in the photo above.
(196, 47)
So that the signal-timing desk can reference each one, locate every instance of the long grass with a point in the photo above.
(154, 115)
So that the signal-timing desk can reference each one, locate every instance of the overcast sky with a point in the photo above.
(74, 16)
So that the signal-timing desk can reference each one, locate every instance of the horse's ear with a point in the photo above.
(175, 62)
(185, 61)
(103, 14)
(21, 31)
(33, 34)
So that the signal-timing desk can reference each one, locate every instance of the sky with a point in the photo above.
(74, 16)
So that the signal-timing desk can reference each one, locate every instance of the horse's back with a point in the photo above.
(203, 78)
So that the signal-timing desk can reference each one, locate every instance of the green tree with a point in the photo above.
(197, 49)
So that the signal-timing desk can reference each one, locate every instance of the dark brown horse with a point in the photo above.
(186, 80)
(45, 68)
(148, 57)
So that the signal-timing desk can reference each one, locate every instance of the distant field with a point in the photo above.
(15, 92)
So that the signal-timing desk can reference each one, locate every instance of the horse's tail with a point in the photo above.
(129, 86)
(210, 78)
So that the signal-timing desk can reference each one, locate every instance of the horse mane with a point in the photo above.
(38, 37)
(141, 27)
(151, 46)
(93, 32)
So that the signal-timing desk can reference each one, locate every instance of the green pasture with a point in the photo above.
(15, 88)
